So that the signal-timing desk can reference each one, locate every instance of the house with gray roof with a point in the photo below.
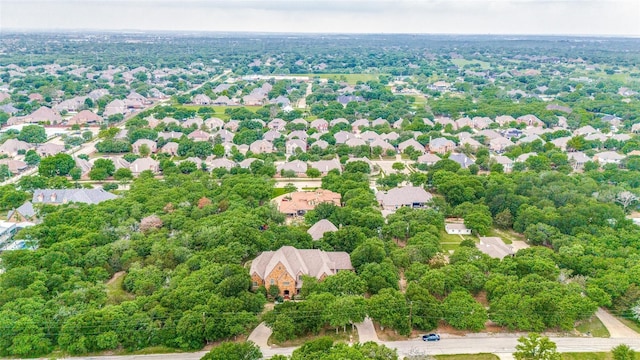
(11, 147)
(461, 159)
(441, 145)
(409, 196)
(286, 266)
(318, 229)
(64, 196)
(25, 212)
(324, 166)
(428, 159)
(297, 166)
(413, 143)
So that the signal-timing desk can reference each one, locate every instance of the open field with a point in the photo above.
(452, 242)
(508, 236)
(349, 78)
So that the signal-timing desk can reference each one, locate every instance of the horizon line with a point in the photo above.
(151, 31)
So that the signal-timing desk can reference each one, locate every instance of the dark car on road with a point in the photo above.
(431, 337)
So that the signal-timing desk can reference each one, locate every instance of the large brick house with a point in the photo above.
(286, 266)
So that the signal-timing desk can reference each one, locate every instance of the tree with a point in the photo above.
(57, 165)
(462, 311)
(123, 174)
(32, 158)
(478, 221)
(5, 173)
(234, 351)
(33, 134)
(313, 172)
(397, 166)
(623, 352)
(536, 347)
(144, 150)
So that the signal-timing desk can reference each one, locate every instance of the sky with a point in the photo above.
(543, 17)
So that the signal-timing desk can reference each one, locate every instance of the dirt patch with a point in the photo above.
(115, 277)
(482, 298)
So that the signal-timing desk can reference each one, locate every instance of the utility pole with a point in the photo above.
(410, 314)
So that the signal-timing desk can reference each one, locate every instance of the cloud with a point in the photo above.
(604, 17)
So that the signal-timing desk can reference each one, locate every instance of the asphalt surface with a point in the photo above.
(503, 345)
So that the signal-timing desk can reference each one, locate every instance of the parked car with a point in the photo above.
(431, 337)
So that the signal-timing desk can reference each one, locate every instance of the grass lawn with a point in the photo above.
(330, 332)
(462, 62)
(349, 78)
(593, 326)
(452, 242)
(115, 293)
(277, 192)
(468, 357)
(630, 323)
(508, 236)
(218, 110)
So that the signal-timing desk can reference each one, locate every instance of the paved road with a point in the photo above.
(499, 344)
(616, 328)
(260, 335)
(366, 331)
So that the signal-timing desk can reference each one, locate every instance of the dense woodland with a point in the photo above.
(187, 281)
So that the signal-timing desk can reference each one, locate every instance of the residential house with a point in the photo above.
(64, 196)
(170, 148)
(481, 123)
(298, 134)
(385, 146)
(143, 164)
(369, 136)
(49, 149)
(84, 117)
(353, 142)
(15, 166)
(271, 135)
(461, 159)
(224, 101)
(25, 212)
(277, 125)
(293, 145)
(456, 229)
(198, 122)
(380, 122)
(261, 147)
(411, 143)
(300, 202)
(410, 196)
(499, 144)
(428, 159)
(11, 147)
(608, 157)
(337, 121)
(297, 166)
(318, 229)
(321, 144)
(522, 158)
(471, 142)
(321, 125)
(214, 123)
(507, 164)
(392, 136)
(561, 143)
(225, 135)
(170, 135)
(220, 163)
(585, 130)
(358, 124)
(115, 107)
(530, 120)
(345, 99)
(324, 166)
(441, 145)
(151, 145)
(286, 266)
(342, 136)
(201, 99)
(577, 159)
(300, 122)
(530, 139)
(462, 122)
(199, 135)
(503, 120)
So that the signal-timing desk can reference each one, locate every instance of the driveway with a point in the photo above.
(366, 331)
(617, 330)
(260, 335)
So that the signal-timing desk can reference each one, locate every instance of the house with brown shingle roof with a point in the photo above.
(298, 203)
(153, 147)
(12, 146)
(409, 196)
(84, 117)
(285, 267)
